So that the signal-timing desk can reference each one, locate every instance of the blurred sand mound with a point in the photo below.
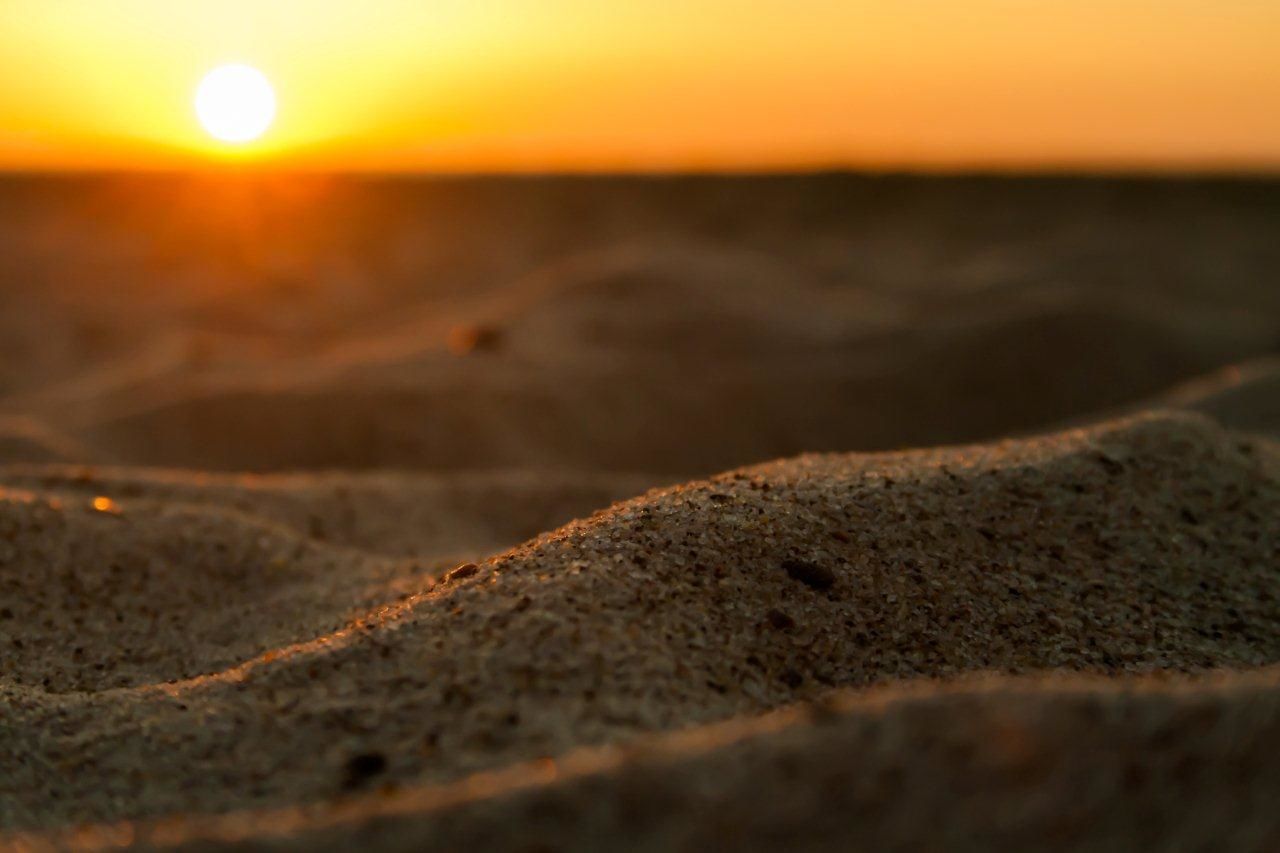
(649, 392)
(1036, 764)
(676, 326)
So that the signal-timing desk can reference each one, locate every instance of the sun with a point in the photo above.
(235, 103)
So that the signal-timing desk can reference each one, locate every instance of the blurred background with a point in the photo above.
(669, 239)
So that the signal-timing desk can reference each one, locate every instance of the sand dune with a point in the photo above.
(765, 317)
(341, 538)
(440, 516)
(640, 404)
(1141, 546)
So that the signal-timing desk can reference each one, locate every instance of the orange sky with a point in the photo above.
(651, 84)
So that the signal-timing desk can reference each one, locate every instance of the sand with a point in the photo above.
(1143, 546)
(510, 568)
(1058, 764)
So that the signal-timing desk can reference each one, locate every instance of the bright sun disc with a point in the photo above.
(235, 103)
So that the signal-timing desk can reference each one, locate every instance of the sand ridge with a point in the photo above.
(350, 537)
(1050, 762)
(765, 316)
(563, 388)
(1140, 546)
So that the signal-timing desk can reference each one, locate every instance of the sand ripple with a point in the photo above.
(1142, 546)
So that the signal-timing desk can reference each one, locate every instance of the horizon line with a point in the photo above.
(1119, 170)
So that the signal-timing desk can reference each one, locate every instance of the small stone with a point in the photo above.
(474, 338)
(361, 768)
(810, 574)
(780, 620)
(1111, 461)
(466, 570)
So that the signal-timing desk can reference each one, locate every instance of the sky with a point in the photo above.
(498, 85)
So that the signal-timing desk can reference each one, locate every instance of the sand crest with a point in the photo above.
(394, 521)
(1138, 546)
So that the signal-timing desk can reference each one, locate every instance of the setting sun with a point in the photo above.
(518, 85)
(235, 103)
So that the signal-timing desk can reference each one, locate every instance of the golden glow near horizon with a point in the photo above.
(547, 84)
(235, 103)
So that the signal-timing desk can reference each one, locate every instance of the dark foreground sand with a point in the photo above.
(1052, 764)
(259, 671)
(485, 589)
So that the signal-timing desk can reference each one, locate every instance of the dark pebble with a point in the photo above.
(1112, 466)
(780, 620)
(361, 768)
(477, 338)
(810, 574)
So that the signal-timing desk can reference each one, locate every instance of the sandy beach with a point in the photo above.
(640, 514)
